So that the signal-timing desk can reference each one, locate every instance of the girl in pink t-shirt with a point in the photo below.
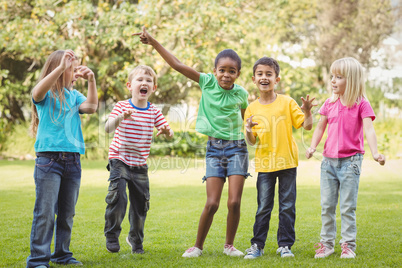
(346, 113)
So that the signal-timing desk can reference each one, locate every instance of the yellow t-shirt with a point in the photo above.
(276, 147)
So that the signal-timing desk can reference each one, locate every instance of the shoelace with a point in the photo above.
(230, 247)
(321, 248)
(345, 249)
(190, 249)
(252, 249)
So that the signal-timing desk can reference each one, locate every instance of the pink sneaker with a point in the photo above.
(192, 252)
(322, 251)
(347, 253)
(230, 250)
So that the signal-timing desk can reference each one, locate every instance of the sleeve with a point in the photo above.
(366, 110)
(42, 102)
(80, 98)
(296, 114)
(324, 108)
(244, 104)
(205, 79)
(159, 119)
(117, 110)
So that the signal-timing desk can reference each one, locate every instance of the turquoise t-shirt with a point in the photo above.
(219, 113)
(61, 132)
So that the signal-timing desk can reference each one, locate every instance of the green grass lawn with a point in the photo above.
(177, 199)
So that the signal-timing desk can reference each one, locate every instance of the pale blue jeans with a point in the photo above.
(339, 177)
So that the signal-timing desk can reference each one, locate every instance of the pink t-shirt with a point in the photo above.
(345, 128)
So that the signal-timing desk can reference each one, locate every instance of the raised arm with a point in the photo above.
(372, 140)
(113, 123)
(40, 90)
(91, 104)
(175, 63)
(317, 136)
(306, 108)
(250, 138)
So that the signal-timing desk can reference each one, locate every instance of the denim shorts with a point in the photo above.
(225, 158)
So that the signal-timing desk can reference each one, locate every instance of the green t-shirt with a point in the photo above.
(219, 113)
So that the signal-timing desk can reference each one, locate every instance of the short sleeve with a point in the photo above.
(117, 110)
(296, 113)
(366, 110)
(244, 104)
(159, 119)
(42, 101)
(324, 108)
(205, 79)
(80, 98)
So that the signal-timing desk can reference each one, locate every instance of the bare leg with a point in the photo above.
(214, 193)
(236, 183)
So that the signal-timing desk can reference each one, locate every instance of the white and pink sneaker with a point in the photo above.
(192, 252)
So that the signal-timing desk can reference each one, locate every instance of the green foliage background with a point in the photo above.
(195, 31)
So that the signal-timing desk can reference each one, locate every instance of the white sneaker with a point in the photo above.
(285, 252)
(192, 252)
(230, 250)
(322, 251)
(347, 253)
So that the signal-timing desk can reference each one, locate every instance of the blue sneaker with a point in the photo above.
(285, 252)
(254, 252)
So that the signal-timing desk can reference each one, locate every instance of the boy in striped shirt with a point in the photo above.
(133, 121)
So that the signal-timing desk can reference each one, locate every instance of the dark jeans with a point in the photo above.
(57, 183)
(136, 179)
(287, 207)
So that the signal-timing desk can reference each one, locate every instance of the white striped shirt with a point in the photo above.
(132, 139)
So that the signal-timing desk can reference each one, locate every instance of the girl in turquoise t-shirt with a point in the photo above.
(220, 116)
(59, 142)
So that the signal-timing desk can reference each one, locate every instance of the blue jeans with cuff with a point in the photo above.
(339, 177)
(57, 182)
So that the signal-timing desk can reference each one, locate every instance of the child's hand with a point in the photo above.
(67, 59)
(145, 37)
(309, 153)
(307, 103)
(250, 124)
(85, 72)
(380, 158)
(128, 114)
(166, 130)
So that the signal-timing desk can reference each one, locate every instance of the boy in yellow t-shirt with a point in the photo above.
(270, 119)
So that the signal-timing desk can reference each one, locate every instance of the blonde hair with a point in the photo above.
(52, 62)
(146, 69)
(353, 71)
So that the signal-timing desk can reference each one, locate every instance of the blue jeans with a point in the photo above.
(339, 177)
(136, 179)
(225, 158)
(57, 179)
(287, 207)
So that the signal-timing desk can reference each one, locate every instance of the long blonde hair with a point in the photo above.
(353, 71)
(57, 89)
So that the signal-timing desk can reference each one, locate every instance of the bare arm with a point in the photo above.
(317, 136)
(250, 138)
(113, 123)
(372, 140)
(40, 90)
(91, 104)
(175, 63)
(306, 108)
